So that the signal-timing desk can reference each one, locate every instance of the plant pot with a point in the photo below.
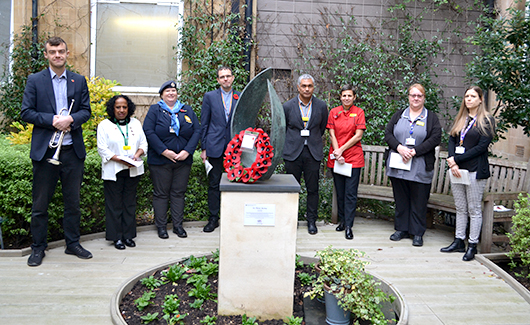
(335, 315)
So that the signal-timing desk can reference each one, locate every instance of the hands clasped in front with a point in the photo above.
(406, 153)
(174, 157)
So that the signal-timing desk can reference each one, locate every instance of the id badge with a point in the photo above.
(171, 130)
(410, 142)
(126, 148)
(304, 133)
(460, 150)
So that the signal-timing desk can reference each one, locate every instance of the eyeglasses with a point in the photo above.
(416, 96)
(225, 77)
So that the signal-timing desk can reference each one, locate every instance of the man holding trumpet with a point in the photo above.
(56, 101)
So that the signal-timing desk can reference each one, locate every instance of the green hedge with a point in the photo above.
(15, 195)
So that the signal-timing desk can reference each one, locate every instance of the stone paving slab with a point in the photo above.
(438, 288)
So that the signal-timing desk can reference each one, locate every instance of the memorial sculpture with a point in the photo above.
(261, 159)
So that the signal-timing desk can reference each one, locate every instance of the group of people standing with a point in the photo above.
(56, 101)
(412, 135)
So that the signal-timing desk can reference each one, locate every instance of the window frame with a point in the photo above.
(93, 41)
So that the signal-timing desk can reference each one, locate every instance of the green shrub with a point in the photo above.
(520, 236)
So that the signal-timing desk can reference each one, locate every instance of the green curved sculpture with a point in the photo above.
(246, 112)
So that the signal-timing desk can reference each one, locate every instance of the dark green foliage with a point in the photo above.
(176, 272)
(195, 262)
(208, 42)
(144, 300)
(171, 304)
(520, 236)
(202, 291)
(151, 282)
(501, 64)
(306, 278)
(13, 81)
(149, 318)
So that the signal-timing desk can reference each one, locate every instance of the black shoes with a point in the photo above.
(213, 222)
(162, 232)
(35, 259)
(312, 228)
(180, 231)
(457, 245)
(417, 241)
(129, 243)
(119, 244)
(348, 233)
(78, 251)
(399, 235)
(340, 227)
(470, 253)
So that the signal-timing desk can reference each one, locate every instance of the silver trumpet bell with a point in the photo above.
(56, 140)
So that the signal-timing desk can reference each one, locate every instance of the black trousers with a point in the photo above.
(120, 206)
(306, 164)
(45, 178)
(411, 205)
(170, 182)
(214, 178)
(346, 188)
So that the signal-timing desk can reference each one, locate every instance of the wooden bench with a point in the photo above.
(508, 179)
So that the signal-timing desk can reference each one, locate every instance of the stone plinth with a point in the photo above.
(257, 262)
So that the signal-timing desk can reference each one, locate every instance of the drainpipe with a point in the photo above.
(34, 27)
(490, 5)
(249, 22)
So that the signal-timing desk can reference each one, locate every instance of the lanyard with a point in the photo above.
(229, 107)
(125, 136)
(466, 129)
(412, 125)
(305, 117)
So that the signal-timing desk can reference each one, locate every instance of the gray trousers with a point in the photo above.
(468, 202)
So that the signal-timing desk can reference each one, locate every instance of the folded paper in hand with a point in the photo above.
(342, 169)
(463, 179)
(135, 163)
(208, 166)
(396, 161)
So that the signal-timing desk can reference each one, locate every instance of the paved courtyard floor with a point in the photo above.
(438, 288)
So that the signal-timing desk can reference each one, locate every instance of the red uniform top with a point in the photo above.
(345, 123)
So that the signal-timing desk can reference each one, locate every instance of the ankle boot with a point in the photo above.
(457, 245)
(470, 253)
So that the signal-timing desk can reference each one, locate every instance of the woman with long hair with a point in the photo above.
(470, 137)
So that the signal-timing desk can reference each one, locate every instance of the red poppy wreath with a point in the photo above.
(232, 163)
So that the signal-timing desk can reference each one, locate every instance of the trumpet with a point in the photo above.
(57, 139)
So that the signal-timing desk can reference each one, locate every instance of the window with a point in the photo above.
(133, 42)
(5, 31)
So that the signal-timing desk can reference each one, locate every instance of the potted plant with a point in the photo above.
(346, 285)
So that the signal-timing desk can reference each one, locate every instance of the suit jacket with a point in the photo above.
(39, 108)
(294, 143)
(215, 129)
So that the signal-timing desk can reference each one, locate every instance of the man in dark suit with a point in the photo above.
(47, 98)
(306, 118)
(216, 116)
